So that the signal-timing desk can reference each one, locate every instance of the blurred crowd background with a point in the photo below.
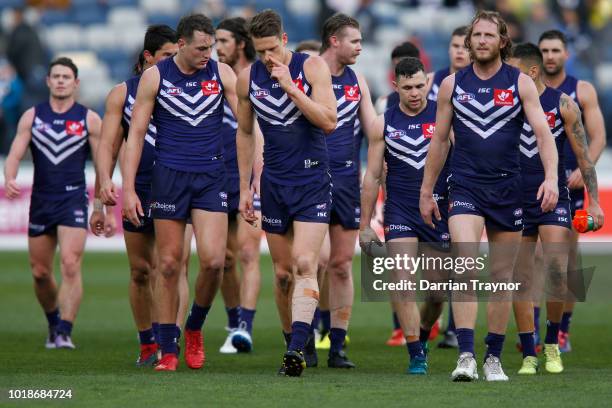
(104, 38)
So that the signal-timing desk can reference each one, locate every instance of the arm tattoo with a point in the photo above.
(588, 169)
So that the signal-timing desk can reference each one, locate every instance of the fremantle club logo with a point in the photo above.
(428, 130)
(351, 93)
(210, 87)
(551, 119)
(503, 97)
(74, 128)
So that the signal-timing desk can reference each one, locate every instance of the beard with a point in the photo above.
(552, 71)
(231, 59)
(492, 56)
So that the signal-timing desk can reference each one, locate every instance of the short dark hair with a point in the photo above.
(553, 35)
(156, 36)
(67, 62)
(333, 26)
(529, 53)
(238, 27)
(139, 64)
(502, 30)
(194, 22)
(267, 23)
(460, 31)
(405, 49)
(308, 45)
(408, 66)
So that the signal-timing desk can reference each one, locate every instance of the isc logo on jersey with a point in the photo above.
(74, 128)
(503, 97)
(351, 93)
(396, 134)
(428, 130)
(551, 119)
(210, 88)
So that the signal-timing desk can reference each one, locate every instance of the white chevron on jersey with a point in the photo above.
(287, 116)
(52, 143)
(177, 105)
(484, 120)
(357, 128)
(127, 115)
(433, 93)
(528, 145)
(228, 117)
(403, 152)
(346, 112)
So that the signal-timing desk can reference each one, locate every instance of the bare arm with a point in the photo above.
(18, 149)
(245, 145)
(593, 119)
(94, 124)
(320, 109)
(228, 78)
(367, 113)
(438, 147)
(110, 140)
(143, 108)
(374, 171)
(576, 136)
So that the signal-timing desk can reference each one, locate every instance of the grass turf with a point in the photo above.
(101, 371)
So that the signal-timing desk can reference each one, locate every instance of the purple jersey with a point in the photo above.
(295, 152)
(188, 115)
(59, 150)
(487, 121)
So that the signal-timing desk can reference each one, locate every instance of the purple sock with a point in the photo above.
(316, 319)
(247, 316)
(299, 335)
(146, 336)
(465, 338)
(196, 318)
(287, 337)
(424, 335)
(155, 327)
(552, 333)
(495, 344)
(167, 338)
(536, 321)
(451, 320)
(325, 321)
(415, 349)
(528, 344)
(336, 338)
(64, 327)
(233, 316)
(396, 323)
(53, 318)
(565, 322)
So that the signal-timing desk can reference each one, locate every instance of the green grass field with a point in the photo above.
(101, 371)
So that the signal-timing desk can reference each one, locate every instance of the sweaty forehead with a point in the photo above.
(201, 39)
(265, 43)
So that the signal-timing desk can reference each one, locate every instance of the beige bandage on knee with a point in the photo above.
(340, 317)
(305, 299)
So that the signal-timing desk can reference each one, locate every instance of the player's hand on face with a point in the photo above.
(110, 224)
(96, 222)
(11, 189)
(247, 211)
(597, 213)
(281, 74)
(132, 208)
(108, 194)
(367, 238)
(429, 209)
(574, 181)
(549, 194)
